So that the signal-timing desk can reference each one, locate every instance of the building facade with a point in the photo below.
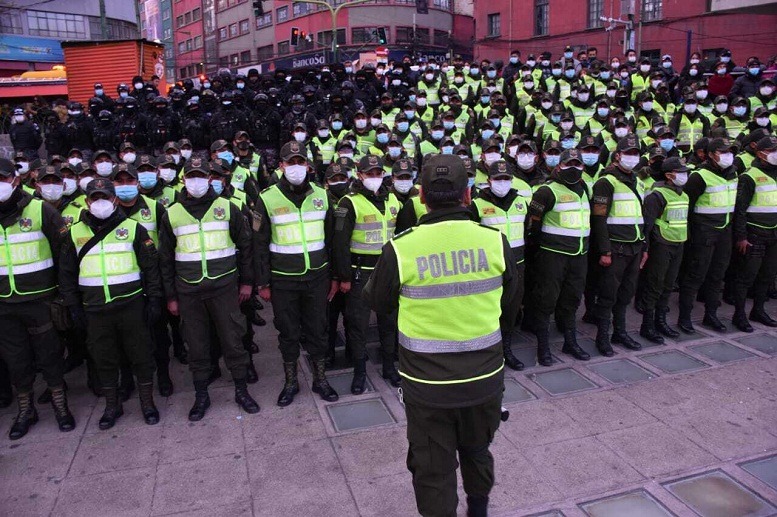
(156, 24)
(746, 27)
(188, 38)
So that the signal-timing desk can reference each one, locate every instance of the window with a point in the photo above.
(166, 14)
(404, 35)
(654, 55)
(233, 30)
(244, 27)
(187, 18)
(198, 42)
(652, 10)
(494, 24)
(300, 9)
(442, 4)
(245, 57)
(222, 33)
(183, 72)
(595, 12)
(58, 25)
(264, 53)
(365, 34)
(711, 54)
(422, 35)
(541, 15)
(324, 38)
(179, 21)
(196, 14)
(168, 34)
(11, 23)
(169, 53)
(223, 61)
(221, 5)
(234, 60)
(442, 38)
(283, 47)
(182, 47)
(264, 21)
(282, 14)
(188, 45)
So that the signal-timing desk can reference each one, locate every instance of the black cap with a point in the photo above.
(674, 164)
(588, 141)
(218, 144)
(370, 162)
(628, 142)
(7, 167)
(164, 159)
(49, 170)
(552, 144)
(470, 167)
(528, 143)
(569, 155)
(499, 168)
(663, 131)
(100, 185)
(125, 168)
(145, 159)
(402, 166)
(337, 168)
(219, 167)
(126, 145)
(196, 164)
(101, 152)
(767, 143)
(719, 144)
(443, 173)
(292, 149)
(171, 145)
(656, 152)
(489, 143)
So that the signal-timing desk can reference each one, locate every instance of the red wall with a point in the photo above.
(192, 30)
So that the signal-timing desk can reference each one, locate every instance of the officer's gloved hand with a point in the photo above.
(153, 310)
(78, 316)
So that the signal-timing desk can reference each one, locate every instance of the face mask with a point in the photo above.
(655, 83)
(474, 71)
(726, 160)
(410, 114)
(23, 168)
(323, 133)
(74, 161)
(556, 72)
(445, 69)
(545, 62)
(360, 123)
(500, 188)
(382, 138)
(336, 125)
(437, 134)
(19, 118)
(487, 133)
(403, 126)
(491, 158)
(647, 106)
(590, 159)
(568, 55)
(129, 157)
(394, 152)
(296, 174)
(602, 112)
(396, 82)
(526, 160)
(762, 122)
(721, 71)
(485, 99)
(666, 144)
(628, 162)
(725, 59)
(123, 95)
(196, 187)
(227, 156)
(528, 85)
(148, 180)
(74, 113)
(620, 132)
(345, 154)
(102, 208)
(566, 126)
(701, 94)
(567, 143)
(138, 86)
(571, 175)
(583, 97)
(69, 186)
(644, 68)
(372, 184)
(689, 108)
(531, 62)
(771, 158)
(421, 101)
(694, 61)
(166, 174)
(721, 107)
(403, 186)
(754, 70)
(766, 90)
(380, 71)
(300, 137)
(680, 178)
(491, 74)
(611, 93)
(226, 103)
(667, 64)
(84, 182)
(447, 149)
(625, 74)
(739, 111)
(218, 186)
(555, 119)
(375, 122)
(573, 94)
(415, 68)
(547, 105)
(552, 160)
(448, 124)
(604, 76)
(186, 153)
(51, 192)
(495, 122)
(693, 72)
(126, 192)
(445, 99)
(631, 59)
(569, 74)
(513, 60)
(104, 169)
(615, 64)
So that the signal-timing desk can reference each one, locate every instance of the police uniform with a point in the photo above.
(452, 368)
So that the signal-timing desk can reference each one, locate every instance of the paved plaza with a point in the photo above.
(689, 428)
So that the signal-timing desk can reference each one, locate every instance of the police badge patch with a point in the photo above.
(393, 211)
(219, 213)
(122, 234)
(145, 213)
(318, 204)
(25, 224)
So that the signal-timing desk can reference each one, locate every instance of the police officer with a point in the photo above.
(32, 231)
(365, 220)
(25, 134)
(452, 368)
(755, 234)
(294, 224)
(109, 277)
(205, 258)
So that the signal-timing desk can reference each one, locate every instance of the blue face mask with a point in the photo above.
(485, 99)
(123, 95)
(127, 192)
(568, 55)
(602, 112)
(555, 119)
(567, 143)
(487, 133)
(147, 180)
(604, 76)
(448, 125)
(447, 149)
(754, 70)
(589, 159)
(218, 186)
(495, 122)
(402, 126)
(666, 144)
(491, 74)
(470, 182)
(394, 152)
(556, 72)
(382, 138)
(569, 74)
(739, 111)
(99, 92)
(514, 60)
(227, 156)
(337, 125)
(437, 134)
(411, 98)
(552, 160)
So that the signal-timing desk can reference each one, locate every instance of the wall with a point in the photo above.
(241, 43)
(119, 9)
(184, 33)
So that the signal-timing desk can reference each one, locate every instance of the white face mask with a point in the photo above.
(647, 106)
(69, 186)
(610, 93)
(6, 189)
(644, 68)
(104, 169)
(771, 158)
(360, 123)
(196, 187)
(24, 167)
(52, 192)
(372, 184)
(102, 208)
(762, 122)
(512, 150)
(702, 94)
(766, 90)
(722, 108)
(403, 186)
(526, 160)
(547, 105)
(500, 188)
(628, 162)
(680, 178)
(186, 153)
(84, 182)
(620, 132)
(689, 108)
(296, 174)
(583, 97)
(566, 126)
(421, 101)
(74, 161)
(491, 157)
(375, 122)
(176, 158)
(129, 157)
(167, 175)
(726, 160)
(19, 118)
(299, 137)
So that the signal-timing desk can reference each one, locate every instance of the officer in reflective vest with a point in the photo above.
(109, 277)
(666, 229)
(452, 368)
(560, 226)
(711, 190)
(689, 124)
(292, 262)
(32, 233)
(617, 229)
(755, 234)
(501, 206)
(205, 251)
(365, 220)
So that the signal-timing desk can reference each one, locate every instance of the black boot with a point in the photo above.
(711, 321)
(477, 506)
(603, 337)
(572, 348)
(62, 413)
(741, 322)
(127, 384)
(26, 418)
(291, 386)
(390, 372)
(201, 401)
(321, 384)
(590, 318)
(243, 398)
(760, 315)
(113, 409)
(511, 361)
(147, 406)
(684, 321)
(251, 376)
(543, 348)
(620, 336)
(45, 397)
(359, 376)
(662, 326)
(164, 382)
(648, 328)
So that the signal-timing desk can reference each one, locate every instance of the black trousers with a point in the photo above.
(435, 437)
(757, 271)
(28, 341)
(660, 274)
(301, 307)
(507, 321)
(334, 309)
(5, 381)
(200, 314)
(617, 283)
(357, 320)
(592, 282)
(113, 331)
(558, 288)
(707, 257)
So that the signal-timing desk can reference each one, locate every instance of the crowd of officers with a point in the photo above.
(154, 215)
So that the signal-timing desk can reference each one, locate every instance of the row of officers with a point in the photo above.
(127, 254)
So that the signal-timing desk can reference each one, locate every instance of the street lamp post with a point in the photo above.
(333, 11)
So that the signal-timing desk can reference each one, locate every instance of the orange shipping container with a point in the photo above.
(110, 63)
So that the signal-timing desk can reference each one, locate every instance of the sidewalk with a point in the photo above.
(679, 429)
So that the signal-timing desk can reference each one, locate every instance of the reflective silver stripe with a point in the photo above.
(524, 193)
(492, 221)
(625, 220)
(189, 229)
(426, 292)
(151, 227)
(18, 238)
(368, 226)
(766, 188)
(566, 207)
(716, 188)
(186, 229)
(295, 249)
(318, 215)
(209, 255)
(433, 346)
(366, 247)
(622, 196)
(713, 209)
(567, 232)
(97, 281)
(284, 219)
(119, 247)
(762, 209)
(28, 268)
(517, 243)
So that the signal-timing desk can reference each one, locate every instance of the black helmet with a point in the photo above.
(261, 97)
(122, 88)
(227, 96)
(297, 99)
(160, 100)
(105, 115)
(131, 102)
(74, 105)
(95, 101)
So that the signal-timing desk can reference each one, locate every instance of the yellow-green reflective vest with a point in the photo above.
(715, 206)
(72, 213)
(239, 177)
(418, 207)
(734, 126)
(747, 159)
(673, 223)
(146, 217)
(203, 247)
(567, 227)
(26, 262)
(450, 267)
(510, 222)
(638, 85)
(689, 132)
(109, 271)
(373, 229)
(762, 211)
(432, 91)
(297, 242)
(167, 197)
(326, 149)
(624, 220)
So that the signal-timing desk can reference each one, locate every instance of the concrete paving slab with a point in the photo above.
(634, 504)
(766, 343)
(341, 382)
(715, 494)
(290, 425)
(515, 392)
(672, 361)
(372, 455)
(764, 469)
(28, 495)
(122, 493)
(118, 449)
(348, 416)
(48, 460)
(565, 380)
(620, 371)
(209, 437)
(684, 338)
(241, 509)
(388, 495)
(539, 423)
(603, 411)
(722, 352)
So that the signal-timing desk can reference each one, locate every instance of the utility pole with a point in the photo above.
(103, 21)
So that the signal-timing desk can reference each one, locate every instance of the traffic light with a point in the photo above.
(381, 33)
(258, 8)
(294, 36)
(422, 6)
